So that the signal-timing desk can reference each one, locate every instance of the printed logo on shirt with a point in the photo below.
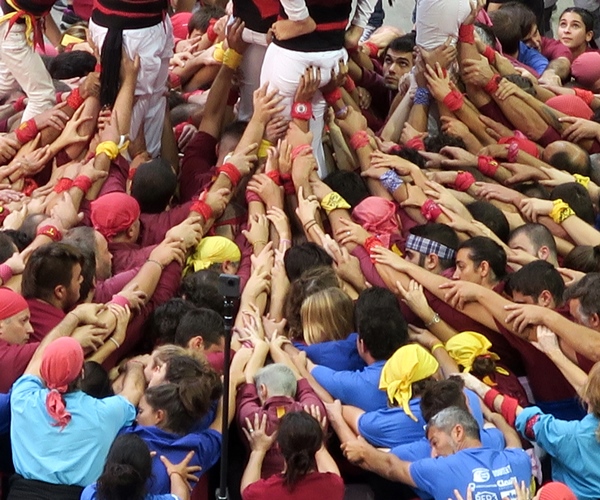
(486, 495)
(481, 475)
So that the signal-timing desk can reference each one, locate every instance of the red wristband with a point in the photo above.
(586, 95)
(453, 100)
(487, 165)
(302, 111)
(83, 182)
(372, 242)
(120, 300)
(252, 196)
(51, 232)
(5, 273)
(231, 171)
(98, 68)
(288, 184)
(416, 143)
(466, 33)
(26, 131)
(29, 186)
(19, 104)
(373, 49)
(187, 95)
(299, 150)
(178, 129)
(529, 432)
(430, 210)
(489, 397)
(75, 100)
(464, 180)
(63, 185)
(174, 80)
(203, 209)
(349, 85)
(210, 31)
(513, 151)
(509, 409)
(491, 86)
(275, 176)
(490, 54)
(332, 97)
(359, 140)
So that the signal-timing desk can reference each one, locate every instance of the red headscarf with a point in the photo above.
(61, 364)
(556, 491)
(571, 105)
(377, 215)
(11, 303)
(113, 213)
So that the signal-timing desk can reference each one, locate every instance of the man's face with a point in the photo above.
(465, 268)
(17, 328)
(74, 287)
(522, 242)
(575, 311)
(442, 443)
(103, 258)
(534, 39)
(218, 347)
(396, 64)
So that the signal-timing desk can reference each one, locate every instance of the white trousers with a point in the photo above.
(439, 19)
(22, 67)
(251, 67)
(154, 45)
(282, 69)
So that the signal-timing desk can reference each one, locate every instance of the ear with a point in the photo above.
(543, 253)
(196, 343)
(484, 268)
(431, 261)
(130, 230)
(458, 432)
(360, 345)
(545, 299)
(595, 321)
(160, 416)
(60, 292)
(588, 36)
(263, 391)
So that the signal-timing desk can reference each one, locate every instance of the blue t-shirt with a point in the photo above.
(4, 413)
(573, 447)
(89, 493)
(392, 427)
(356, 388)
(490, 473)
(73, 455)
(206, 444)
(339, 355)
(532, 58)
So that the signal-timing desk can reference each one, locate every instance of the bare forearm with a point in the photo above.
(252, 470)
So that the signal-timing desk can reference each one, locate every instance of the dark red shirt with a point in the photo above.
(44, 317)
(13, 361)
(314, 485)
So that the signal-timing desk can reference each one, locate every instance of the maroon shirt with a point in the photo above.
(126, 256)
(312, 486)
(44, 317)
(13, 361)
(248, 404)
(553, 49)
(197, 165)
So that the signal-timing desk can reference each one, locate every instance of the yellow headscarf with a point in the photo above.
(211, 250)
(466, 346)
(408, 364)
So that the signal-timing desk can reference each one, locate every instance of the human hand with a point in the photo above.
(315, 412)
(579, 129)
(523, 315)
(272, 327)
(234, 36)
(438, 81)
(570, 276)
(356, 450)
(244, 159)
(183, 469)
(256, 434)
(522, 173)
(266, 104)
(414, 297)
(16, 264)
(533, 208)
(310, 81)
(87, 314)
(477, 72)
(351, 232)
(54, 117)
(270, 193)
(490, 191)
(409, 132)
(8, 147)
(307, 207)
(188, 132)
(276, 128)
(217, 199)
(556, 177)
(459, 293)
(352, 122)
(280, 221)
(34, 162)
(122, 315)
(388, 258)
(547, 341)
(189, 232)
(258, 231)
(9, 195)
(136, 297)
(90, 337)
(65, 213)
(422, 336)
(168, 251)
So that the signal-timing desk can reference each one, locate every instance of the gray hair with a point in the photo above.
(452, 416)
(278, 379)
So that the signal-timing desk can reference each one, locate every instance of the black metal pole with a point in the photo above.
(222, 493)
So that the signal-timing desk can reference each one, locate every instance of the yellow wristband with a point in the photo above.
(219, 53)
(582, 179)
(109, 148)
(232, 59)
(333, 201)
(263, 148)
(435, 346)
(561, 211)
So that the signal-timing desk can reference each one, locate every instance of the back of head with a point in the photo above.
(49, 266)
(491, 216)
(7, 247)
(578, 199)
(327, 315)
(442, 394)
(165, 318)
(301, 258)
(539, 236)
(435, 143)
(278, 379)
(449, 418)
(380, 323)
(534, 278)
(202, 322)
(567, 156)
(584, 258)
(153, 185)
(506, 30)
(72, 64)
(312, 281)
(587, 291)
(349, 185)
(522, 15)
(96, 382)
(128, 466)
(183, 366)
(485, 249)
(201, 19)
(202, 289)
(299, 437)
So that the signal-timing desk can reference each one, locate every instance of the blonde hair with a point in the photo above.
(327, 315)
(166, 352)
(590, 394)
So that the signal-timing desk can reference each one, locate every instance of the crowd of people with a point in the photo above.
(414, 220)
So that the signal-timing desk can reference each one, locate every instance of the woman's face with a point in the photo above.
(146, 415)
(572, 32)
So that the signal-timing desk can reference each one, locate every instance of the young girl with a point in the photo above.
(576, 30)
